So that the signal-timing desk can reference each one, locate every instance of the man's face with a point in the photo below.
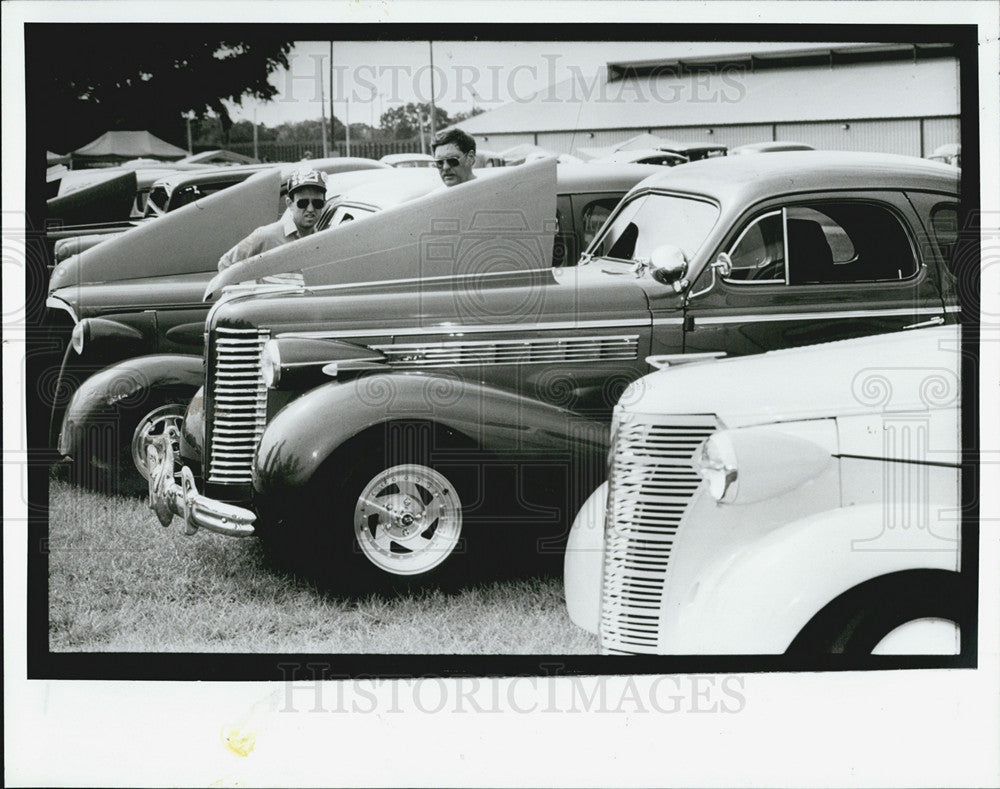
(454, 172)
(305, 218)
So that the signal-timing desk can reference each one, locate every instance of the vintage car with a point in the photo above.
(179, 189)
(121, 300)
(770, 146)
(382, 424)
(949, 153)
(408, 160)
(803, 501)
(646, 156)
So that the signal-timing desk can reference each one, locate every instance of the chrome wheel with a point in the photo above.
(408, 519)
(155, 423)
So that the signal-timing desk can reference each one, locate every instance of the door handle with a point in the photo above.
(932, 322)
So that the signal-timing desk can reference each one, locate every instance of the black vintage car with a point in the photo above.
(126, 300)
(384, 429)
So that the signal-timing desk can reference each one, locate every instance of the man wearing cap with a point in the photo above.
(305, 200)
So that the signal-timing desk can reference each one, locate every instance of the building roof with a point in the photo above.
(716, 95)
(130, 145)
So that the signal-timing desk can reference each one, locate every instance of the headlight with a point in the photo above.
(765, 462)
(270, 364)
(77, 337)
(718, 467)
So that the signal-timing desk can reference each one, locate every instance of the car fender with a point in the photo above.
(309, 429)
(757, 599)
(583, 564)
(131, 382)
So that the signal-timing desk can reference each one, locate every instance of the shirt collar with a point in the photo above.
(288, 224)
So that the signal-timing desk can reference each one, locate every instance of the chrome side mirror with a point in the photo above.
(722, 266)
(669, 266)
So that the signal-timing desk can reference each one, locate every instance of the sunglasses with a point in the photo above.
(451, 161)
(305, 201)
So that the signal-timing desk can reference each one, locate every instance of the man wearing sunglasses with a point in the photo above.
(454, 156)
(305, 199)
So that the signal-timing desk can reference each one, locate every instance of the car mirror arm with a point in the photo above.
(722, 266)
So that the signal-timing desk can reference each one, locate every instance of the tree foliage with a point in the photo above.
(404, 121)
(134, 83)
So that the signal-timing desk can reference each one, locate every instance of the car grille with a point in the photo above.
(651, 482)
(527, 351)
(239, 403)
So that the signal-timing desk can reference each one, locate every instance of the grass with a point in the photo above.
(120, 582)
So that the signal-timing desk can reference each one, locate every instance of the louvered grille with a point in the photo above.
(651, 482)
(494, 352)
(239, 403)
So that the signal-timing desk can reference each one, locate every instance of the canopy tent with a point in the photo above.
(117, 146)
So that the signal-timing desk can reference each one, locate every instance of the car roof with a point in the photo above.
(745, 178)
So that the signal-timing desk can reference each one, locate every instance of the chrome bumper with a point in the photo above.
(168, 498)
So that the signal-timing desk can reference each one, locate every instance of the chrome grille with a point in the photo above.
(527, 351)
(651, 482)
(239, 403)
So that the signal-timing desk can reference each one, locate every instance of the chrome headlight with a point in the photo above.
(718, 467)
(76, 339)
(270, 364)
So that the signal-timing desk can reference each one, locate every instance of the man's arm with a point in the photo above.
(248, 246)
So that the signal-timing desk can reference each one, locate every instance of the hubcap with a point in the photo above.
(155, 423)
(408, 519)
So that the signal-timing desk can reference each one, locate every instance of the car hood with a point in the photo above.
(186, 241)
(107, 200)
(474, 304)
(904, 372)
(502, 223)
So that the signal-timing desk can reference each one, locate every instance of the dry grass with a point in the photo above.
(118, 581)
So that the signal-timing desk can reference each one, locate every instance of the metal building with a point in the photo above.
(892, 98)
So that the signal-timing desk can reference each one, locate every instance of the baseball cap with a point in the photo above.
(302, 178)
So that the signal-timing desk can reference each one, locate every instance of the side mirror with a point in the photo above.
(669, 266)
(721, 266)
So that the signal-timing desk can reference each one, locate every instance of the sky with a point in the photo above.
(373, 76)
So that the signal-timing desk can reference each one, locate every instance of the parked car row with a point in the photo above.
(444, 377)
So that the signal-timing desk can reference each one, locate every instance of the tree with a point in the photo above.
(146, 82)
(403, 120)
(464, 116)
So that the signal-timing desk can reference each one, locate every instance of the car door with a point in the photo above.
(814, 268)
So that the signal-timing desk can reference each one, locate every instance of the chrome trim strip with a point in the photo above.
(538, 350)
(798, 316)
(462, 330)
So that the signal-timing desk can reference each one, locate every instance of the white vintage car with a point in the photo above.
(803, 501)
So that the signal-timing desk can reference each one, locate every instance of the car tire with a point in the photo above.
(857, 621)
(384, 514)
(109, 454)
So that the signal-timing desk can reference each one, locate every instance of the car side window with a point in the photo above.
(759, 252)
(823, 243)
(944, 223)
(593, 217)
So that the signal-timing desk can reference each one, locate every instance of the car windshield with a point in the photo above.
(652, 220)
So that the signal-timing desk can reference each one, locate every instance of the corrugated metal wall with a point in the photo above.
(721, 135)
(501, 142)
(882, 136)
(888, 136)
(565, 142)
(939, 131)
